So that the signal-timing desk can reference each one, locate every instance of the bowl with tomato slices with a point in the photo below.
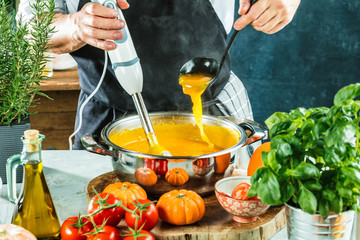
(231, 193)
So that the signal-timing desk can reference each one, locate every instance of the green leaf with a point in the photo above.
(324, 207)
(352, 174)
(267, 187)
(312, 185)
(275, 118)
(287, 191)
(342, 130)
(270, 161)
(328, 194)
(306, 170)
(307, 201)
(336, 205)
(348, 92)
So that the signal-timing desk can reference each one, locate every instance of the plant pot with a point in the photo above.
(10, 144)
(304, 226)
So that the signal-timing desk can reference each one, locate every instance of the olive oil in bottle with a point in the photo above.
(35, 210)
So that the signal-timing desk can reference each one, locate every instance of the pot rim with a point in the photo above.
(240, 143)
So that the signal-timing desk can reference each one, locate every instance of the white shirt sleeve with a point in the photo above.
(26, 11)
(225, 11)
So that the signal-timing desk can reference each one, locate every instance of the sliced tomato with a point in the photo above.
(241, 190)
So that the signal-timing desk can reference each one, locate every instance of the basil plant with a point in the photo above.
(314, 161)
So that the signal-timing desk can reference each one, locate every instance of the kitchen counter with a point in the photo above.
(67, 174)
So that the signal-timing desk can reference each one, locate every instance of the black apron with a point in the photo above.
(166, 34)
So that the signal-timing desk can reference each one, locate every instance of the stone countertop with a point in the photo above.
(67, 174)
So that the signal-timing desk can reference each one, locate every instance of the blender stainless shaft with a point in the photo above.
(143, 113)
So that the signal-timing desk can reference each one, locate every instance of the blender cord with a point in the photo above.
(87, 100)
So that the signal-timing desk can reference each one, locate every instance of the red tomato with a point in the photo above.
(143, 235)
(106, 233)
(111, 215)
(149, 214)
(73, 229)
(241, 190)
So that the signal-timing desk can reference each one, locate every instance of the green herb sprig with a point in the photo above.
(314, 161)
(22, 59)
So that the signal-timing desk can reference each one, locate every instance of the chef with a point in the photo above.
(166, 34)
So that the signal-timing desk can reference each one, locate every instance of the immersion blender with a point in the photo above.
(127, 68)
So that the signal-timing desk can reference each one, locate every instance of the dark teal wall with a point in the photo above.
(305, 63)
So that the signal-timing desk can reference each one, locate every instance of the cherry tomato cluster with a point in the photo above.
(105, 211)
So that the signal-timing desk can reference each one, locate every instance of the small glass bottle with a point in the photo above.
(34, 210)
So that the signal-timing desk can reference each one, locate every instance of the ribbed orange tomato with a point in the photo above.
(146, 176)
(181, 207)
(126, 191)
(255, 160)
(177, 176)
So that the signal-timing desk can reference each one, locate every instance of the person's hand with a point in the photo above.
(94, 23)
(268, 16)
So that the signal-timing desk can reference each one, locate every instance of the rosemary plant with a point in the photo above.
(22, 59)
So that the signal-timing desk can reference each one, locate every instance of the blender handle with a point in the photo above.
(11, 165)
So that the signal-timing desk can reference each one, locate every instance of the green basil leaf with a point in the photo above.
(306, 170)
(348, 92)
(324, 207)
(312, 185)
(352, 174)
(269, 160)
(268, 188)
(331, 158)
(287, 191)
(343, 129)
(275, 118)
(328, 194)
(307, 127)
(336, 205)
(307, 201)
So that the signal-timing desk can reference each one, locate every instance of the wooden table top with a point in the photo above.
(66, 80)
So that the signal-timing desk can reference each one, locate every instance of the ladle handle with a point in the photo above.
(228, 47)
(252, 2)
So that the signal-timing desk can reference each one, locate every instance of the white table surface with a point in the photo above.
(67, 174)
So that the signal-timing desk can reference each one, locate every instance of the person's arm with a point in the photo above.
(91, 25)
(268, 16)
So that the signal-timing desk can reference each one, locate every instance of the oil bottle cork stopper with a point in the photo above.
(31, 134)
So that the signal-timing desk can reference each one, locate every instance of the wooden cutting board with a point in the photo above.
(216, 224)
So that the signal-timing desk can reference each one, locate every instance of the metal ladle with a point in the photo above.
(209, 66)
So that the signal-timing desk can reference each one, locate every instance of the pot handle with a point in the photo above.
(254, 130)
(91, 145)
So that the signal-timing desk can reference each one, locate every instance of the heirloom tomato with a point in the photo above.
(181, 207)
(74, 229)
(222, 162)
(241, 190)
(104, 232)
(112, 216)
(147, 212)
(145, 176)
(126, 191)
(177, 176)
(256, 160)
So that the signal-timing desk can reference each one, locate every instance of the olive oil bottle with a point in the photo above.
(35, 210)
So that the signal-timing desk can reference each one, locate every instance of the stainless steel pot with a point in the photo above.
(202, 177)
